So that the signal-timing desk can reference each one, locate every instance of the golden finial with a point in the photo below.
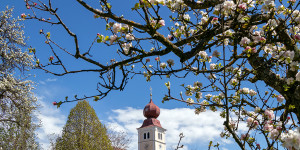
(150, 92)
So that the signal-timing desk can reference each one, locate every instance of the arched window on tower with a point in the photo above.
(148, 135)
(144, 135)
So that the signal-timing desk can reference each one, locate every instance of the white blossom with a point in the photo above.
(186, 17)
(298, 76)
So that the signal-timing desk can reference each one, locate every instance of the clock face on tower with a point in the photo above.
(146, 146)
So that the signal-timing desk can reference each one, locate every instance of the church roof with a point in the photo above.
(151, 112)
(151, 122)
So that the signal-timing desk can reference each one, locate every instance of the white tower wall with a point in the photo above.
(155, 141)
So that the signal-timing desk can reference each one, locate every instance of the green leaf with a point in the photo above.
(96, 98)
(292, 106)
(108, 5)
(58, 104)
(136, 6)
(106, 38)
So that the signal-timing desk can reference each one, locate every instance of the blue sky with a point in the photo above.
(122, 110)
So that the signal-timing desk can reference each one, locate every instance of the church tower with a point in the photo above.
(151, 133)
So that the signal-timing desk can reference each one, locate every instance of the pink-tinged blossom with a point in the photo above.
(268, 127)
(269, 114)
(274, 134)
(233, 81)
(247, 49)
(23, 16)
(256, 38)
(280, 98)
(163, 65)
(117, 27)
(170, 37)
(202, 54)
(251, 122)
(161, 22)
(212, 66)
(129, 36)
(153, 22)
(252, 93)
(291, 139)
(244, 41)
(232, 125)
(126, 47)
(253, 50)
(214, 20)
(157, 58)
(258, 146)
(279, 125)
(112, 38)
(51, 58)
(229, 5)
(243, 6)
(244, 136)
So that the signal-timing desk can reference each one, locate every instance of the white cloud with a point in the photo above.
(48, 80)
(52, 122)
(51, 79)
(197, 129)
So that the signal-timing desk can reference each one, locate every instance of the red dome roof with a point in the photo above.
(151, 110)
(151, 122)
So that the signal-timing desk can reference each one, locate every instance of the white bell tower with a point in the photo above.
(151, 133)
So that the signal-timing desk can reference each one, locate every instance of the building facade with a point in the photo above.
(151, 135)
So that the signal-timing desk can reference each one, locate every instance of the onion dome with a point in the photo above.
(151, 110)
